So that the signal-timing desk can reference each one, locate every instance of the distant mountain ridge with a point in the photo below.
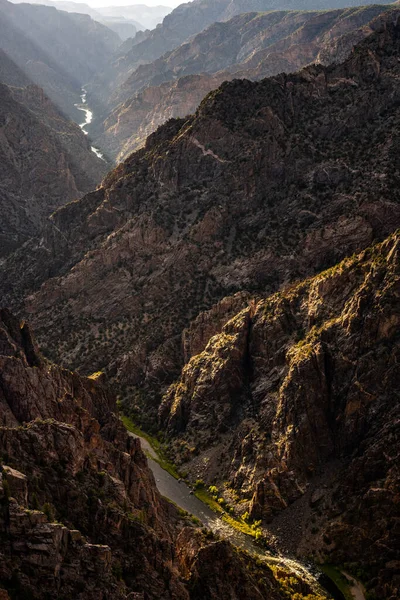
(59, 51)
(125, 28)
(191, 18)
(251, 45)
(124, 20)
(107, 89)
(147, 16)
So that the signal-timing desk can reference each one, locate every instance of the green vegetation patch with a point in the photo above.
(159, 455)
(210, 497)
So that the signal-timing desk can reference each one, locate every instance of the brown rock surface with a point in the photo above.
(314, 389)
(80, 515)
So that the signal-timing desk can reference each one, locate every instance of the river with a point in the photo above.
(183, 496)
(83, 106)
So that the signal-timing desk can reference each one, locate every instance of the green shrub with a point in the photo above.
(49, 511)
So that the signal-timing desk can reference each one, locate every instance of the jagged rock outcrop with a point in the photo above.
(80, 515)
(46, 160)
(251, 45)
(303, 384)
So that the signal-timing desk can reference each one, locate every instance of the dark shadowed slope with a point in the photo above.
(80, 513)
(46, 160)
(291, 407)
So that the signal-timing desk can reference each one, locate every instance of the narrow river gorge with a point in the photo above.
(83, 106)
(182, 495)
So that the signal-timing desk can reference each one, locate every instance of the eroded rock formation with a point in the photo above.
(269, 182)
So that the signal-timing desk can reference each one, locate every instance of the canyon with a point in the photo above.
(231, 287)
(293, 397)
(80, 513)
(272, 178)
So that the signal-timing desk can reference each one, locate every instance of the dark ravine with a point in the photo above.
(236, 282)
(292, 409)
(59, 51)
(298, 187)
(45, 159)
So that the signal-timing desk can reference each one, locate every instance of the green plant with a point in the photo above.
(258, 536)
(49, 511)
(213, 491)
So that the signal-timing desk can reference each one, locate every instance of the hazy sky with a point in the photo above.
(95, 3)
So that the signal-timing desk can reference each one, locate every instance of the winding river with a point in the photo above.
(183, 496)
(83, 106)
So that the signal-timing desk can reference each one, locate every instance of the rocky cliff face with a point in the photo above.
(79, 512)
(298, 395)
(46, 160)
(251, 45)
(270, 181)
(162, 278)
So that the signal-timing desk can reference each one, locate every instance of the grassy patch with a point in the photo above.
(203, 495)
(130, 426)
(159, 456)
(338, 579)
